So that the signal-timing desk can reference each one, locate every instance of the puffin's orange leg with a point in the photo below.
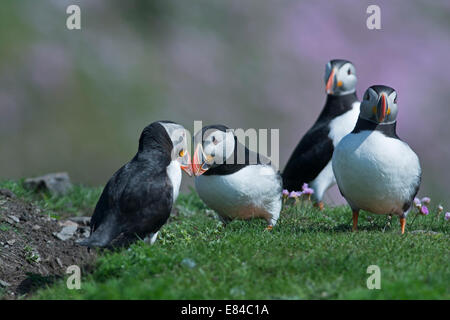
(402, 224)
(269, 228)
(355, 220)
(319, 205)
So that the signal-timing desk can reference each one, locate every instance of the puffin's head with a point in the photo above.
(171, 139)
(379, 105)
(214, 145)
(179, 152)
(340, 77)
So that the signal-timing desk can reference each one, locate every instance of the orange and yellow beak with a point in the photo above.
(330, 82)
(382, 108)
(185, 164)
(200, 162)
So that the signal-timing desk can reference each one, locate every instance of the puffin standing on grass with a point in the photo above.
(311, 160)
(137, 200)
(375, 170)
(232, 180)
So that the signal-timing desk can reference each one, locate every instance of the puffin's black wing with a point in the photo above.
(104, 221)
(415, 189)
(146, 202)
(136, 200)
(103, 207)
(309, 158)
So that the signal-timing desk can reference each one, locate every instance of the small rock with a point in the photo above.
(4, 284)
(66, 233)
(7, 193)
(81, 220)
(14, 218)
(58, 261)
(187, 262)
(8, 220)
(55, 183)
(67, 223)
(36, 227)
(11, 242)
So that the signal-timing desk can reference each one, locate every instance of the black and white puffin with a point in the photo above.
(375, 170)
(137, 200)
(311, 160)
(232, 180)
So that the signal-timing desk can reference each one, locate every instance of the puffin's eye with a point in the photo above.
(181, 153)
(367, 96)
(395, 100)
(349, 72)
(214, 140)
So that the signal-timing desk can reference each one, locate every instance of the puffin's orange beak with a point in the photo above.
(186, 164)
(381, 110)
(199, 162)
(330, 82)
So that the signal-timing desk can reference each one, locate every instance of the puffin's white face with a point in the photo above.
(340, 77)
(216, 148)
(379, 105)
(180, 153)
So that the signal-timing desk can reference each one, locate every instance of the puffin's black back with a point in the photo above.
(137, 200)
(315, 149)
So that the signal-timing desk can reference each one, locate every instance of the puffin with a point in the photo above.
(311, 160)
(234, 181)
(137, 200)
(375, 170)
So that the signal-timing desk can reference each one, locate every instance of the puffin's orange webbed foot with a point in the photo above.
(402, 224)
(269, 228)
(355, 220)
(319, 205)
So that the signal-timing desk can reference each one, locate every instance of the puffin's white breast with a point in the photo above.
(174, 172)
(376, 173)
(253, 191)
(339, 128)
(344, 124)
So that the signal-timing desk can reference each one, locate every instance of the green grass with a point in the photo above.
(308, 255)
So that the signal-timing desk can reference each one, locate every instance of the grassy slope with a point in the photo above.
(308, 255)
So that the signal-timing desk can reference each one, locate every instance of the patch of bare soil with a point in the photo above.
(36, 249)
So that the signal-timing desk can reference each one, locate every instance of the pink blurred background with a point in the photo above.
(77, 100)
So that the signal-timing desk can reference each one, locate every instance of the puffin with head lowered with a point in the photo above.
(232, 180)
(375, 170)
(137, 200)
(311, 160)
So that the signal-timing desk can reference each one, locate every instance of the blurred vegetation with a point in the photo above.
(77, 101)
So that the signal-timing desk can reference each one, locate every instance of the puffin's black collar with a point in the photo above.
(388, 129)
